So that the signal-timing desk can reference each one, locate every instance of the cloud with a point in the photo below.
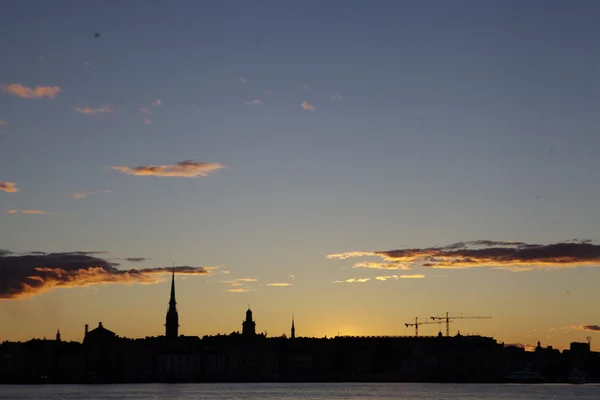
(307, 107)
(9, 187)
(31, 274)
(28, 93)
(279, 284)
(156, 102)
(241, 280)
(185, 169)
(396, 277)
(93, 111)
(148, 121)
(268, 92)
(145, 110)
(255, 103)
(83, 195)
(87, 63)
(31, 212)
(354, 280)
(380, 265)
(306, 87)
(239, 290)
(337, 97)
(242, 80)
(592, 328)
(136, 259)
(513, 256)
(2, 123)
(595, 328)
(292, 277)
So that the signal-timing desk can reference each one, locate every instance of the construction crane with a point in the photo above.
(417, 323)
(449, 319)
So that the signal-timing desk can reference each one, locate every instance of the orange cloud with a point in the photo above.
(31, 212)
(354, 280)
(156, 102)
(279, 284)
(148, 121)
(9, 187)
(39, 92)
(513, 256)
(35, 273)
(145, 110)
(185, 169)
(307, 107)
(239, 290)
(92, 111)
(2, 123)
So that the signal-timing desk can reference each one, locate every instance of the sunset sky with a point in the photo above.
(355, 163)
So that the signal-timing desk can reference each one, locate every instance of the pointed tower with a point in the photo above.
(58, 336)
(172, 323)
(249, 326)
(293, 333)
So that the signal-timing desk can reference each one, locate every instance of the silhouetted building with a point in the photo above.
(293, 330)
(249, 326)
(172, 322)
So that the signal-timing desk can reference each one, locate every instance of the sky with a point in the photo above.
(356, 164)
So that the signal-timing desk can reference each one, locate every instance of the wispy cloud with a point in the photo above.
(255, 103)
(241, 280)
(268, 92)
(240, 285)
(9, 187)
(31, 212)
(136, 259)
(39, 92)
(148, 121)
(92, 111)
(145, 110)
(513, 256)
(242, 80)
(381, 265)
(83, 195)
(306, 87)
(307, 106)
(156, 102)
(337, 97)
(2, 123)
(185, 169)
(279, 284)
(35, 273)
(588, 327)
(87, 63)
(354, 280)
(396, 277)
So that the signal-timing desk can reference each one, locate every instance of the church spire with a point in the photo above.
(172, 302)
(293, 333)
(172, 322)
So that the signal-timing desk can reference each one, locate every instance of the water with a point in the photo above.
(301, 391)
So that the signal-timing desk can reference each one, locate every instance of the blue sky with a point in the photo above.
(434, 122)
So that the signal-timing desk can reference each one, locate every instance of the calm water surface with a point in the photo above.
(306, 391)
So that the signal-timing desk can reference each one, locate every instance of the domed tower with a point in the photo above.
(249, 326)
(172, 323)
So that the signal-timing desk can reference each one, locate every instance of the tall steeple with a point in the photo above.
(293, 335)
(249, 325)
(172, 323)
